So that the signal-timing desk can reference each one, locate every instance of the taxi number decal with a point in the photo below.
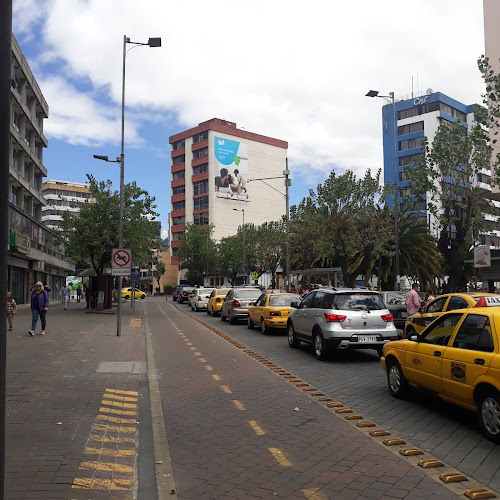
(458, 371)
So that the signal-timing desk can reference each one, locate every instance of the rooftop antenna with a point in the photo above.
(412, 87)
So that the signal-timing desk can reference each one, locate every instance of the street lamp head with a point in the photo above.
(372, 93)
(154, 42)
(101, 157)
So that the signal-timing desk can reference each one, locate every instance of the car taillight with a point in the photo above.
(217, 299)
(334, 318)
(387, 317)
(275, 313)
(236, 303)
(199, 298)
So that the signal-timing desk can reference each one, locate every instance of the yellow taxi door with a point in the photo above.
(468, 357)
(431, 311)
(424, 359)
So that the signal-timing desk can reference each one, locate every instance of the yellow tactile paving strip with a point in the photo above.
(109, 460)
(433, 467)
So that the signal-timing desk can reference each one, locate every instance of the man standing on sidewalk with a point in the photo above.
(412, 300)
(65, 292)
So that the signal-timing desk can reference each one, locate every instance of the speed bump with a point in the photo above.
(408, 452)
(353, 417)
(428, 464)
(334, 405)
(365, 424)
(394, 442)
(343, 410)
(479, 493)
(453, 477)
(379, 432)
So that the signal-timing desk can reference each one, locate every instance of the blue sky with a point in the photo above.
(283, 69)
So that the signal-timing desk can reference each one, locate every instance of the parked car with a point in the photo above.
(200, 298)
(235, 307)
(216, 300)
(127, 293)
(177, 290)
(444, 303)
(271, 310)
(184, 294)
(346, 318)
(395, 302)
(457, 357)
(190, 296)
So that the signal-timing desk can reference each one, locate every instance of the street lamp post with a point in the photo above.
(391, 96)
(152, 42)
(242, 210)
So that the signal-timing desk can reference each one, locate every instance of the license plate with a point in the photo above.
(404, 314)
(367, 338)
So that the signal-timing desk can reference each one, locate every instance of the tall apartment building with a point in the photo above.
(62, 196)
(35, 253)
(415, 118)
(216, 170)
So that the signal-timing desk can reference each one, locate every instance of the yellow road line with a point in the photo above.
(117, 403)
(121, 398)
(209, 368)
(193, 348)
(135, 322)
(189, 343)
(216, 377)
(226, 389)
(257, 428)
(107, 452)
(107, 439)
(203, 360)
(125, 413)
(280, 457)
(128, 393)
(115, 420)
(314, 494)
(106, 466)
(102, 484)
(239, 405)
(198, 354)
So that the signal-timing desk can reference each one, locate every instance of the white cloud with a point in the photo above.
(294, 71)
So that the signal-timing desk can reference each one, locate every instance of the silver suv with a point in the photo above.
(346, 318)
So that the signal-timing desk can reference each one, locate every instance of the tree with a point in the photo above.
(445, 176)
(90, 238)
(230, 257)
(160, 270)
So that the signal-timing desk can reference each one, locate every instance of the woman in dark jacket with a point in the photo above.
(39, 307)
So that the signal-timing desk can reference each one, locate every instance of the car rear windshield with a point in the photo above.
(395, 298)
(247, 294)
(206, 292)
(283, 300)
(359, 301)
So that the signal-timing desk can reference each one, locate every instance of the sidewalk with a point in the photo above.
(71, 418)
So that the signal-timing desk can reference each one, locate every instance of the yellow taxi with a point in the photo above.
(127, 293)
(271, 311)
(216, 300)
(457, 357)
(444, 303)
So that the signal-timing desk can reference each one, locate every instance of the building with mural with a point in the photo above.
(35, 253)
(220, 174)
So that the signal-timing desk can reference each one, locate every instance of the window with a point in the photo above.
(440, 332)
(307, 302)
(322, 300)
(200, 203)
(200, 187)
(178, 220)
(359, 300)
(178, 145)
(178, 175)
(15, 159)
(179, 159)
(410, 144)
(200, 169)
(436, 305)
(178, 205)
(16, 121)
(484, 178)
(475, 334)
(452, 112)
(199, 153)
(177, 236)
(13, 196)
(179, 189)
(261, 301)
(200, 137)
(418, 110)
(457, 303)
(410, 128)
(408, 160)
(201, 219)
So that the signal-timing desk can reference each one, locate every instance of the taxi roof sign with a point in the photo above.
(488, 301)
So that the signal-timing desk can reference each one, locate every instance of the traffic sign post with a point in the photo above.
(121, 260)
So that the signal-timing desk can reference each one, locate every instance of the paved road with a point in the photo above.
(357, 380)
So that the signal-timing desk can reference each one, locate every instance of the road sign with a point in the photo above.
(121, 258)
(124, 271)
(135, 275)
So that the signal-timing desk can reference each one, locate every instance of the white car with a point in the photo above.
(200, 298)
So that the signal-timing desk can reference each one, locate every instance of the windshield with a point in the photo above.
(358, 301)
(395, 299)
(248, 293)
(283, 300)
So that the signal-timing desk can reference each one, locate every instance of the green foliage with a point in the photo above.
(91, 237)
(160, 269)
(230, 257)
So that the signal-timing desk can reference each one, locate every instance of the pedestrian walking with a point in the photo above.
(65, 293)
(11, 310)
(78, 293)
(412, 300)
(39, 307)
(87, 296)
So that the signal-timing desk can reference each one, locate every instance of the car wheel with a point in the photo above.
(409, 332)
(143, 297)
(249, 323)
(398, 385)
(488, 409)
(222, 317)
(320, 348)
(208, 311)
(214, 314)
(127, 297)
(232, 321)
(263, 327)
(292, 339)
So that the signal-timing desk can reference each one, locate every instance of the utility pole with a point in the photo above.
(288, 183)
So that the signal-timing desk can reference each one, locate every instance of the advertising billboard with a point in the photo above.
(231, 169)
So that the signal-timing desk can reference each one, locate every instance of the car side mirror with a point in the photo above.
(414, 338)
(295, 305)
